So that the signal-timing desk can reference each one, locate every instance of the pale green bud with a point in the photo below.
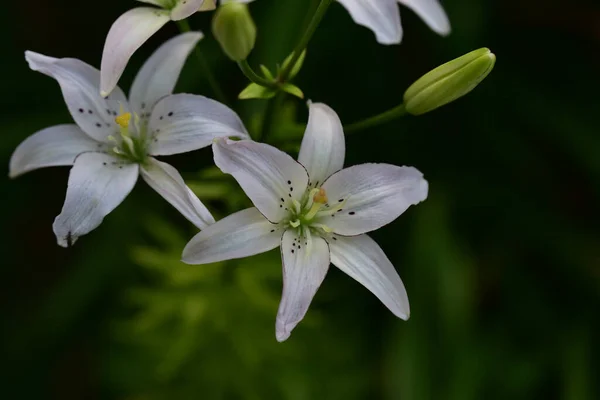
(449, 81)
(234, 29)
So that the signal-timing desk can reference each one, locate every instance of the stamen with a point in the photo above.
(333, 209)
(123, 120)
(324, 227)
(319, 199)
(297, 206)
(311, 198)
(295, 223)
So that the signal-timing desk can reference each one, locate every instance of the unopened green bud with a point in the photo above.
(449, 81)
(234, 29)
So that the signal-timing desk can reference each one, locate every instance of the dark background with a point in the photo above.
(501, 263)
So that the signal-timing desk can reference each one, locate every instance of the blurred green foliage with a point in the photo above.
(501, 263)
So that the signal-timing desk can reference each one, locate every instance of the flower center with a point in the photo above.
(129, 145)
(306, 215)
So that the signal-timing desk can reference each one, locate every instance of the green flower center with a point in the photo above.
(130, 145)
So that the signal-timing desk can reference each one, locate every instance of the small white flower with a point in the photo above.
(383, 16)
(316, 211)
(113, 139)
(133, 28)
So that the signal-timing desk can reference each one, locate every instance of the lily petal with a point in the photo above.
(125, 36)
(98, 183)
(185, 8)
(304, 269)
(363, 260)
(79, 84)
(187, 122)
(158, 76)
(432, 12)
(375, 195)
(55, 146)
(166, 180)
(323, 147)
(381, 16)
(238, 235)
(271, 178)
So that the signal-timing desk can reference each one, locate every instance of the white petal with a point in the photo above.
(168, 183)
(55, 146)
(303, 273)
(79, 84)
(185, 8)
(271, 178)
(362, 259)
(126, 35)
(98, 183)
(432, 12)
(238, 235)
(157, 78)
(187, 122)
(323, 147)
(375, 195)
(381, 16)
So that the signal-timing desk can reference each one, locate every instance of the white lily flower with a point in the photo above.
(134, 28)
(383, 16)
(113, 140)
(316, 211)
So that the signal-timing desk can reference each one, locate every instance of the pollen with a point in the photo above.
(123, 120)
(321, 197)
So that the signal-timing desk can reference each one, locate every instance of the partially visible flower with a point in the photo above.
(315, 211)
(114, 141)
(133, 28)
(383, 16)
(234, 29)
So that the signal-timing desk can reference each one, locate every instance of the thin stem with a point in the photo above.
(270, 113)
(184, 26)
(379, 119)
(310, 30)
(254, 77)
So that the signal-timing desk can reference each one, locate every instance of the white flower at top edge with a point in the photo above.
(114, 140)
(315, 211)
(134, 28)
(383, 16)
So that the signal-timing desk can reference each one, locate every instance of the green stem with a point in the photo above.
(184, 26)
(379, 119)
(312, 27)
(270, 114)
(254, 77)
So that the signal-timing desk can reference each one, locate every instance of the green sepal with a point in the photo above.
(292, 89)
(298, 65)
(267, 74)
(255, 91)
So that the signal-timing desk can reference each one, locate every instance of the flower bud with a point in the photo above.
(234, 29)
(449, 81)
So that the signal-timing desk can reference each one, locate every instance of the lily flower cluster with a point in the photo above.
(316, 211)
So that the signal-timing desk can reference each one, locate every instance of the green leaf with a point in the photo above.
(293, 90)
(255, 91)
(267, 73)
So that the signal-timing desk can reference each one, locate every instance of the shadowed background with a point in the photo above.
(501, 263)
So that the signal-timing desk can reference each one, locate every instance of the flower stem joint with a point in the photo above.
(235, 30)
(449, 81)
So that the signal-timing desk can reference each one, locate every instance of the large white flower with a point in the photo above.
(133, 28)
(113, 140)
(383, 16)
(316, 211)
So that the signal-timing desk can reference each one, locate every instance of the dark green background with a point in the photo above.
(501, 263)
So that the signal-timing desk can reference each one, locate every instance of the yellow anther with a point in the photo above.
(123, 120)
(320, 197)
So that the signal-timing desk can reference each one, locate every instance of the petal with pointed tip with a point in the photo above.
(98, 183)
(238, 235)
(271, 178)
(166, 180)
(158, 76)
(55, 146)
(432, 12)
(381, 16)
(187, 122)
(375, 195)
(79, 84)
(304, 268)
(362, 259)
(323, 147)
(125, 36)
